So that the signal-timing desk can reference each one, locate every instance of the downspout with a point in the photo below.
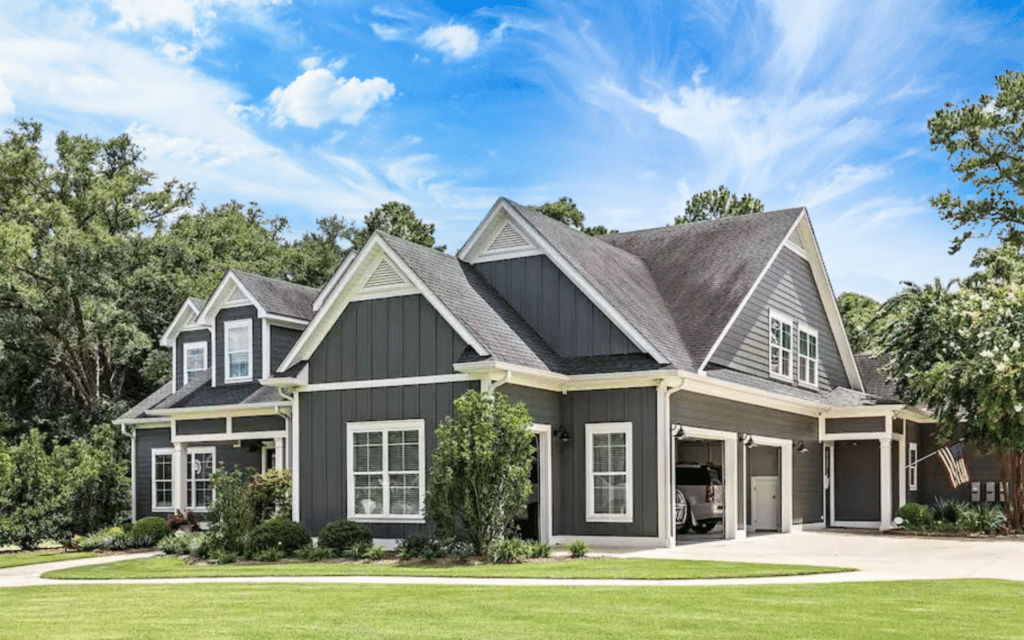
(508, 376)
(666, 460)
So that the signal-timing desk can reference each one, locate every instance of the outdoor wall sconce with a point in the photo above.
(801, 447)
(562, 434)
(748, 440)
(677, 431)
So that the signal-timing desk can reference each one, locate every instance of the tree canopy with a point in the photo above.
(862, 320)
(985, 142)
(718, 203)
(565, 211)
(397, 219)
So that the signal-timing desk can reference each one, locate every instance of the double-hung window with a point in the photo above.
(200, 464)
(912, 466)
(238, 350)
(780, 345)
(386, 464)
(807, 356)
(609, 472)
(195, 359)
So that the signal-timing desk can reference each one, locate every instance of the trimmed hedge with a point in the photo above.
(341, 535)
(278, 534)
(153, 528)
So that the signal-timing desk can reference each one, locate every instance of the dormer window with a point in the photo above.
(780, 345)
(195, 360)
(238, 350)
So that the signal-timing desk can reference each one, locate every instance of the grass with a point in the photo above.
(610, 568)
(922, 609)
(23, 558)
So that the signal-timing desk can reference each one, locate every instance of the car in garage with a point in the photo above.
(700, 497)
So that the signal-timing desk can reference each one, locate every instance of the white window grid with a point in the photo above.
(201, 463)
(163, 480)
(194, 359)
(912, 466)
(238, 358)
(807, 356)
(780, 345)
(609, 471)
(386, 476)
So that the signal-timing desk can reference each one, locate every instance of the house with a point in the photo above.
(717, 341)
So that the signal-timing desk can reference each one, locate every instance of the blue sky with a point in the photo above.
(312, 109)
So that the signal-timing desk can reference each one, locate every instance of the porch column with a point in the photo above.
(885, 477)
(179, 473)
(733, 476)
(903, 467)
(786, 487)
(279, 453)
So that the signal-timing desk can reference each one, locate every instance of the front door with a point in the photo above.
(765, 503)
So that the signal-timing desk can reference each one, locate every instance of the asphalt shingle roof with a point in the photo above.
(704, 270)
(876, 382)
(279, 297)
(150, 401)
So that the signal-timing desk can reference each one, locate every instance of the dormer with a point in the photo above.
(189, 342)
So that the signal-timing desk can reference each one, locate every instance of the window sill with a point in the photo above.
(609, 518)
(383, 519)
(236, 380)
(808, 385)
(781, 378)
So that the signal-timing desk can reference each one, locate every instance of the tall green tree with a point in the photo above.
(480, 469)
(959, 349)
(565, 211)
(985, 142)
(718, 203)
(862, 321)
(397, 219)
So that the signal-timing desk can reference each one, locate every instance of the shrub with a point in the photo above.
(277, 534)
(152, 528)
(179, 520)
(200, 544)
(311, 553)
(342, 535)
(269, 494)
(33, 494)
(421, 546)
(507, 551)
(270, 555)
(230, 515)
(374, 552)
(480, 468)
(947, 512)
(111, 539)
(224, 557)
(97, 477)
(917, 517)
(539, 549)
(578, 548)
(173, 545)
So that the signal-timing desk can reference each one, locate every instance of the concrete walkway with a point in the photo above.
(877, 558)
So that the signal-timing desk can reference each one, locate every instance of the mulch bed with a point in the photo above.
(954, 535)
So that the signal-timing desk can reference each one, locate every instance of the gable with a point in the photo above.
(555, 308)
(392, 337)
(788, 287)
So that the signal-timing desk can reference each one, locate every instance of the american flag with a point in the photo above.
(952, 457)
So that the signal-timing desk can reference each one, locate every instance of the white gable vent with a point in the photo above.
(508, 239)
(237, 296)
(796, 241)
(385, 275)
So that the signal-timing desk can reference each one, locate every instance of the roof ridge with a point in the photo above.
(677, 228)
(275, 280)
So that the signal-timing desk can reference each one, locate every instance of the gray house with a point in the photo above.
(712, 342)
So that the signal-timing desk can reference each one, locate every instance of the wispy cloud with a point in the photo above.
(455, 41)
(387, 33)
(317, 97)
(189, 15)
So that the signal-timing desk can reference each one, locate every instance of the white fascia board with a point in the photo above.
(335, 277)
(584, 285)
(184, 316)
(346, 290)
(731, 391)
(750, 292)
(285, 321)
(478, 233)
(224, 410)
(220, 296)
(872, 411)
(144, 423)
(828, 300)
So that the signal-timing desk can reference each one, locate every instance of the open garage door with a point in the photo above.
(700, 490)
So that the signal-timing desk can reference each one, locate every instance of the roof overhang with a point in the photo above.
(228, 284)
(188, 312)
(225, 410)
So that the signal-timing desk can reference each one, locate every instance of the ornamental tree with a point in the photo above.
(959, 350)
(480, 470)
(718, 203)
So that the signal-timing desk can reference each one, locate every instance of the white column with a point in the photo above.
(294, 440)
(885, 478)
(179, 473)
(903, 467)
(787, 488)
(279, 454)
(733, 476)
(663, 435)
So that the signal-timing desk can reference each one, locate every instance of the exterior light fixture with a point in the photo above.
(801, 447)
(562, 434)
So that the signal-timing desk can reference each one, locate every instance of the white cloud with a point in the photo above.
(455, 41)
(410, 171)
(317, 97)
(6, 100)
(189, 15)
(179, 53)
(385, 32)
(311, 62)
(843, 180)
(337, 65)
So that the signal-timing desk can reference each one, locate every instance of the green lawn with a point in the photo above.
(639, 569)
(926, 609)
(22, 558)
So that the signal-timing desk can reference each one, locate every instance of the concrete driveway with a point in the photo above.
(891, 557)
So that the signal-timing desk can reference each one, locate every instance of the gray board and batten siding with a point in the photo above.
(788, 286)
(227, 456)
(185, 337)
(556, 309)
(398, 337)
(324, 416)
(239, 313)
(694, 410)
(282, 339)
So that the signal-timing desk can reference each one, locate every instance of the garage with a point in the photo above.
(699, 490)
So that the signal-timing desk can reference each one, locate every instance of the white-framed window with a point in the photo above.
(386, 470)
(780, 345)
(610, 472)
(199, 491)
(238, 350)
(194, 359)
(807, 356)
(912, 466)
(163, 480)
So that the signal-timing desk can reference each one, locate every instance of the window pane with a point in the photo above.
(776, 332)
(368, 452)
(405, 494)
(238, 364)
(617, 461)
(238, 339)
(369, 494)
(403, 451)
(812, 346)
(195, 359)
(787, 337)
(202, 465)
(602, 458)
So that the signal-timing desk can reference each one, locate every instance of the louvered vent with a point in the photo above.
(237, 296)
(508, 240)
(385, 275)
(796, 241)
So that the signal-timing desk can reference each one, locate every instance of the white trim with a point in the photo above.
(350, 285)
(635, 542)
(912, 467)
(286, 321)
(329, 287)
(263, 457)
(153, 453)
(600, 428)
(171, 334)
(265, 344)
(746, 298)
(901, 464)
(810, 331)
(185, 347)
(786, 481)
(228, 326)
(221, 410)
(135, 483)
(885, 479)
(385, 426)
(869, 435)
(857, 524)
(221, 295)
(228, 437)
(293, 441)
(784, 320)
(732, 474)
(545, 516)
(799, 251)
(174, 369)
(145, 423)
(388, 382)
(831, 482)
